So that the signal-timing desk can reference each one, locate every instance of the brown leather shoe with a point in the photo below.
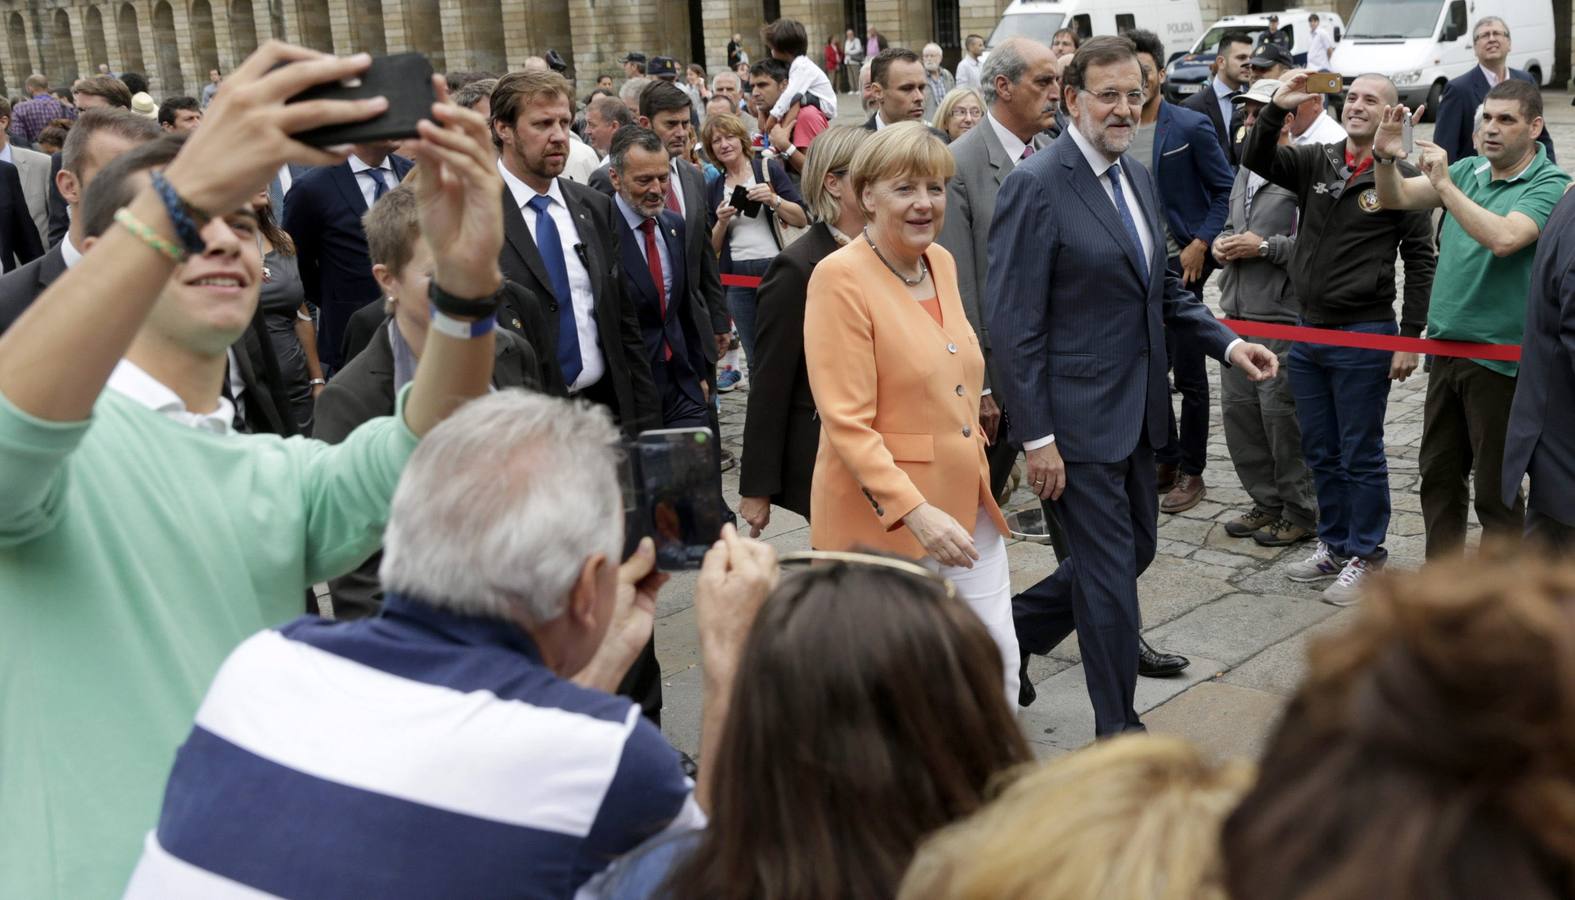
(1188, 491)
(1281, 533)
(1164, 477)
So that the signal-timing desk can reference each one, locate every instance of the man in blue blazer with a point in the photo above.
(659, 276)
(323, 215)
(1081, 302)
(1456, 119)
(1194, 181)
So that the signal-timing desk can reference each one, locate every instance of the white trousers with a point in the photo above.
(987, 589)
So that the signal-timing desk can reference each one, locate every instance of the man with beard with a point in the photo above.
(1343, 271)
(1087, 296)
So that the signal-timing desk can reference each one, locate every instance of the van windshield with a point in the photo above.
(1039, 26)
(1394, 19)
(1210, 43)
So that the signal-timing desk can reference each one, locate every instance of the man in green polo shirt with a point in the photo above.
(1496, 205)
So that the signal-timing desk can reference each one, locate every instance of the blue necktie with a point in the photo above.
(1126, 218)
(550, 246)
(379, 185)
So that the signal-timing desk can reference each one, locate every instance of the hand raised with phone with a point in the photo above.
(1390, 140)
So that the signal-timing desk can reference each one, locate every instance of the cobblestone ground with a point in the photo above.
(1218, 600)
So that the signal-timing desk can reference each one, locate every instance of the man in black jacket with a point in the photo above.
(1343, 270)
(1216, 98)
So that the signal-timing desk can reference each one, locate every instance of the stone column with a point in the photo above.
(339, 25)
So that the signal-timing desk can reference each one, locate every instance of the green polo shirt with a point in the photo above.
(1478, 296)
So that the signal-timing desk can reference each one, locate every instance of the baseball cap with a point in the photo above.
(1261, 91)
(662, 67)
(1271, 55)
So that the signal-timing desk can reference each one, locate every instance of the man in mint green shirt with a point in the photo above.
(1496, 205)
(141, 540)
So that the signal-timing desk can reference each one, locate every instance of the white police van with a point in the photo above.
(1177, 22)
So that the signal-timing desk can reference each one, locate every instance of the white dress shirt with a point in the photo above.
(1323, 130)
(1101, 165)
(5, 153)
(286, 182)
(1318, 48)
(591, 362)
(365, 182)
(1490, 75)
(634, 219)
(1011, 143)
(582, 161)
(133, 382)
(69, 254)
(969, 72)
(678, 187)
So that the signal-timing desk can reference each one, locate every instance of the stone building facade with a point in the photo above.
(176, 42)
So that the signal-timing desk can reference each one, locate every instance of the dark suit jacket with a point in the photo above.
(1192, 173)
(59, 216)
(520, 313)
(869, 125)
(1453, 126)
(685, 325)
(1541, 434)
(264, 396)
(18, 245)
(323, 215)
(699, 247)
(19, 288)
(1079, 340)
(626, 388)
(781, 429)
(1206, 103)
(363, 390)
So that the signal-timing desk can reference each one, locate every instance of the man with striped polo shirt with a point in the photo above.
(466, 742)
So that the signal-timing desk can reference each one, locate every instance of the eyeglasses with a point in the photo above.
(1482, 36)
(1113, 97)
(807, 558)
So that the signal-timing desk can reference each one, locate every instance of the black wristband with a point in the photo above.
(450, 305)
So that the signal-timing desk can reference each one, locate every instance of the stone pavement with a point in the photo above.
(1218, 600)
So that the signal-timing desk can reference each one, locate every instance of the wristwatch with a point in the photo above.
(1263, 248)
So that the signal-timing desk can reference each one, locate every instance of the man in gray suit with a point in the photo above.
(1081, 303)
(33, 168)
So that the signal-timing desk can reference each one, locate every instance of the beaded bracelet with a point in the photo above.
(181, 215)
(148, 236)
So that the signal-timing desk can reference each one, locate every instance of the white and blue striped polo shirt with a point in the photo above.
(418, 754)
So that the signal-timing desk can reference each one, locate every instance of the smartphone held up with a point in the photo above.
(405, 79)
(672, 489)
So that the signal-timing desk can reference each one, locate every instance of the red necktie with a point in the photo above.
(672, 195)
(653, 258)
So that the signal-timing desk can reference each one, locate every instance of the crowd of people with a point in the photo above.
(235, 368)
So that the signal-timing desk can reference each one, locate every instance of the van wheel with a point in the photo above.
(1536, 74)
(1435, 96)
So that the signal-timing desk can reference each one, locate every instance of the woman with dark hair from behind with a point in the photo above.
(289, 319)
(831, 768)
(1430, 754)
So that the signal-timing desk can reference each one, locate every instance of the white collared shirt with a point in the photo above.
(969, 72)
(69, 254)
(591, 362)
(1490, 75)
(678, 187)
(1100, 165)
(1323, 130)
(1318, 48)
(286, 182)
(5, 153)
(365, 183)
(134, 383)
(1011, 143)
(634, 219)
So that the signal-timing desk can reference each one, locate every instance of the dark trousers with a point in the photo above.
(1094, 593)
(1549, 534)
(1001, 456)
(1463, 428)
(1265, 441)
(1341, 396)
(1189, 436)
(682, 399)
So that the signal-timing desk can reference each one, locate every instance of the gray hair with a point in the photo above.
(1007, 60)
(627, 138)
(727, 73)
(631, 89)
(1486, 20)
(502, 503)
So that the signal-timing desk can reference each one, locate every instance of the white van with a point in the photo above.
(1421, 44)
(1188, 73)
(1177, 22)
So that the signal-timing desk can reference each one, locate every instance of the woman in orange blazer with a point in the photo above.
(896, 371)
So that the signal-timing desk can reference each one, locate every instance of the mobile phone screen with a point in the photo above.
(681, 482)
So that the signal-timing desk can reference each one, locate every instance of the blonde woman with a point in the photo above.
(960, 110)
(1132, 818)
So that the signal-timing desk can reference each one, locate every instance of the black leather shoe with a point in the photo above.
(1026, 695)
(1154, 664)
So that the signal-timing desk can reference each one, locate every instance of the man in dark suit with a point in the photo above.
(1194, 181)
(323, 215)
(561, 248)
(1541, 436)
(1078, 329)
(665, 110)
(897, 82)
(1455, 121)
(659, 277)
(97, 137)
(19, 242)
(1216, 99)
